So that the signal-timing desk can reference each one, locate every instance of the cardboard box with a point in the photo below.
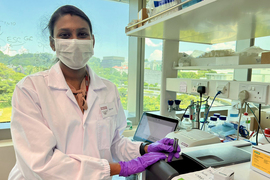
(260, 158)
(265, 59)
(265, 120)
(236, 60)
(142, 14)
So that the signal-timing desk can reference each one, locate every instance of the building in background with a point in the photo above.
(111, 61)
(121, 69)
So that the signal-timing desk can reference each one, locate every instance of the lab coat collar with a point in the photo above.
(57, 80)
(96, 82)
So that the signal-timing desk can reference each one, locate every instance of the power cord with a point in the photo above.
(242, 96)
(205, 119)
(257, 121)
(257, 134)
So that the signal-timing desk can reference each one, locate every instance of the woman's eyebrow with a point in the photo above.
(80, 29)
(64, 29)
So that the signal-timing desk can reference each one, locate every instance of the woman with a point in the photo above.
(67, 122)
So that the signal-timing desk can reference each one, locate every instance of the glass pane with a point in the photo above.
(212, 74)
(261, 75)
(152, 74)
(25, 48)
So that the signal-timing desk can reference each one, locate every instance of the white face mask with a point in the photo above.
(74, 53)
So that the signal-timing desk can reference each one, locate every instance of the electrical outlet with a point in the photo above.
(196, 83)
(224, 87)
(257, 93)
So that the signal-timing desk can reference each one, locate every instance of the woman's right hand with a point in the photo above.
(139, 164)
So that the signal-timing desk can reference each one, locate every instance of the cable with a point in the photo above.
(242, 96)
(198, 115)
(205, 119)
(257, 134)
(184, 113)
(257, 121)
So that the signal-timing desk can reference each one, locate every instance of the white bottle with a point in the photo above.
(204, 126)
(245, 121)
(222, 120)
(233, 114)
(212, 123)
(262, 139)
(217, 115)
(186, 123)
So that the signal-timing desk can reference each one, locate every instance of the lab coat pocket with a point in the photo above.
(104, 130)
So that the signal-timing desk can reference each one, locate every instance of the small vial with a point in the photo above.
(212, 123)
(186, 123)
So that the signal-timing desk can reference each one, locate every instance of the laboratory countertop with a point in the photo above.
(243, 172)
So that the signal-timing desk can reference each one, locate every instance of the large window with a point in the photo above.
(152, 74)
(24, 43)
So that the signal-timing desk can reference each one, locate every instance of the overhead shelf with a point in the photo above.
(211, 22)
(247, 66)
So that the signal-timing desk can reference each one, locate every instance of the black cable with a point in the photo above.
(184, 113)
(257, 134)
(257, 122)
(200, 110)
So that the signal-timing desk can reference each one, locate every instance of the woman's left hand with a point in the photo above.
(165, 145)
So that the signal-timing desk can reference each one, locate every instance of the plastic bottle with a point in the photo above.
(204, 126)
(245, 121)
(222, 120)
(186, 123)
(233, 114)
(212, 123)
(262, 139)
(217, 115)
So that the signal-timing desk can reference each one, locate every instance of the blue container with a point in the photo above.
(190, 3)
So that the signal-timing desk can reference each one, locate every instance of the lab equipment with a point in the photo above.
(186, 122)
(233, 114)
(222, 120)
(217, 115)
(165, 145)
(194, 137)
(177, 105)
(245, 121)
(170, 105)
(152, 127)
(175, 144)
(260, 159)
(140, 163)
(129, 125)
(212, 123)
(201, 124)
(199, 158)
(262, 139)
(191, 110)
(224, 130)
(224, 174)
(190, 3)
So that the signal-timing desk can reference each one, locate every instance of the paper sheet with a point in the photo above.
(206, 174)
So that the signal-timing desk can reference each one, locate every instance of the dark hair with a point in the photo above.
(63, 10)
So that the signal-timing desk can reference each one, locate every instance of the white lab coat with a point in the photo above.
(54, 140)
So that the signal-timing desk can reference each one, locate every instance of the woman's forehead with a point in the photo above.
(71, 22)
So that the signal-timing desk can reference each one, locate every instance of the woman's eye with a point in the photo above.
(64, 35)
(82, 35)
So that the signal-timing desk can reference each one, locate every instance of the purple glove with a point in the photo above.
(140, 163)
(165, 145)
